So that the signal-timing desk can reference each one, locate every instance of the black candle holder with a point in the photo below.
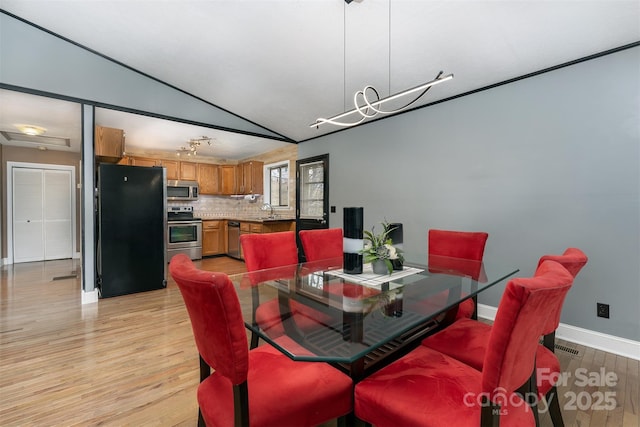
(353, 232)
(396, 240)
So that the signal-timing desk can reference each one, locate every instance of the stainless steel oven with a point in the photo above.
(184, 234)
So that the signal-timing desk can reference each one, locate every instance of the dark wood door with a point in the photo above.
(312, 195)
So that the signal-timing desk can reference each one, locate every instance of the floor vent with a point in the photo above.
(73, 275)
(567, 349)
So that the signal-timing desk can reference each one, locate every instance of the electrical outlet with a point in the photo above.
(603, 310)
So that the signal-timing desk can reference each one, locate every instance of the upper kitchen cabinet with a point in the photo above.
(172, 167)
(188, 171)
(208, 178)
(109, 144)
(141, 161)
(228, 179)
(250, 177)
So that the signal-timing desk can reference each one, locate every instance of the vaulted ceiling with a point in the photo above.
(284, 63)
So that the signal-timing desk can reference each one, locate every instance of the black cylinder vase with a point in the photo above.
(353, 228)
(396, 240)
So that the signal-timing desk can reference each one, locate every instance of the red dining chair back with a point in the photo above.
(322, 244)
(467, 340)
(429, 388)
(467, 245)
(521, 317)
(278, 252)
(573, 259)
(457, 244)
(240, 391)
(269, 250)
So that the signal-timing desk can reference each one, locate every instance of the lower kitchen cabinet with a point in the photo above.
(212, 237)
(265, 227)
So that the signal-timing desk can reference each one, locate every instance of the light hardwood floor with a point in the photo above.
(132, 361)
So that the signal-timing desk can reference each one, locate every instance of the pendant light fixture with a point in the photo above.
(367, 103)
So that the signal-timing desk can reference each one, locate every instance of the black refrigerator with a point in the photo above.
(132, 227)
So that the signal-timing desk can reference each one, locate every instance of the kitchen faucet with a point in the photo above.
(268, 207)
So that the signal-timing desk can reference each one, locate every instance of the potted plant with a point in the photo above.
(379, 250)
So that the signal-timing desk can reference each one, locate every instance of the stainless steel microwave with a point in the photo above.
(182, 190)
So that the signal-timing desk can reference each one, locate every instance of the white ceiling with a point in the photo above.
(284, 63)
(60, 118)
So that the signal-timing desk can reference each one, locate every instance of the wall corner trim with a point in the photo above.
(89, 297)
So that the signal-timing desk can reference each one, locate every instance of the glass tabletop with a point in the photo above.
(315, 312)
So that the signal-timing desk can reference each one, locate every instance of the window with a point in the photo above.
(277, 184)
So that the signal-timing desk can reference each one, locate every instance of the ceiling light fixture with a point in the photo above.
(367, 103)
(370, 109)
(31, 129)
(194, 144)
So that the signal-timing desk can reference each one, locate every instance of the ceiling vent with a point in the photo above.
(35, 139)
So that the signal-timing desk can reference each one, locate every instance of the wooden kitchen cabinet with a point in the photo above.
(208, 178)
(228, 179)
(109, 143)
(266, 226)
(172, 167)
(251, 177)
(189, 171)
(254, 227)
(142, 161)
(212, 237)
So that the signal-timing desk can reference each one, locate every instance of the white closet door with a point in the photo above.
(28, 204)
(57, 214)
(42, 217)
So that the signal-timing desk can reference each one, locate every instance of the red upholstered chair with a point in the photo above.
(429, 388)
(268, 251)
(261, 387)
(467, 340)
(458, 244)
(321, 243)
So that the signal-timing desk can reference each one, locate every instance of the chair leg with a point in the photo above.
(347, 420)
(529, 393)
(205, 371)
(474, 315)
(254, 340)
(489, 413)
(553, 403)
(241, 405)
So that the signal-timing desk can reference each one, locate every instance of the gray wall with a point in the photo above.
(541, 164)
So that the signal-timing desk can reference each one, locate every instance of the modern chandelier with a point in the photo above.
(366, 107)
(367, 103)
(194, 144)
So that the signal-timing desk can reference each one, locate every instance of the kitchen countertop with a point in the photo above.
(259, 220)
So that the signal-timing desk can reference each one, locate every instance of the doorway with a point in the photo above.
(40, 212)
(312, 196)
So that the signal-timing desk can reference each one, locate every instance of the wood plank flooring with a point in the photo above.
(132, 361)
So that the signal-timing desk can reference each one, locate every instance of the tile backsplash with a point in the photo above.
(207, 207)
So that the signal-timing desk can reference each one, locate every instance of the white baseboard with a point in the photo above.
(90, 297)
(609, 343)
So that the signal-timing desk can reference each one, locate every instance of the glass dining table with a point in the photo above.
(358, 322)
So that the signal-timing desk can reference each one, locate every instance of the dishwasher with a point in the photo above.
(234, 239)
